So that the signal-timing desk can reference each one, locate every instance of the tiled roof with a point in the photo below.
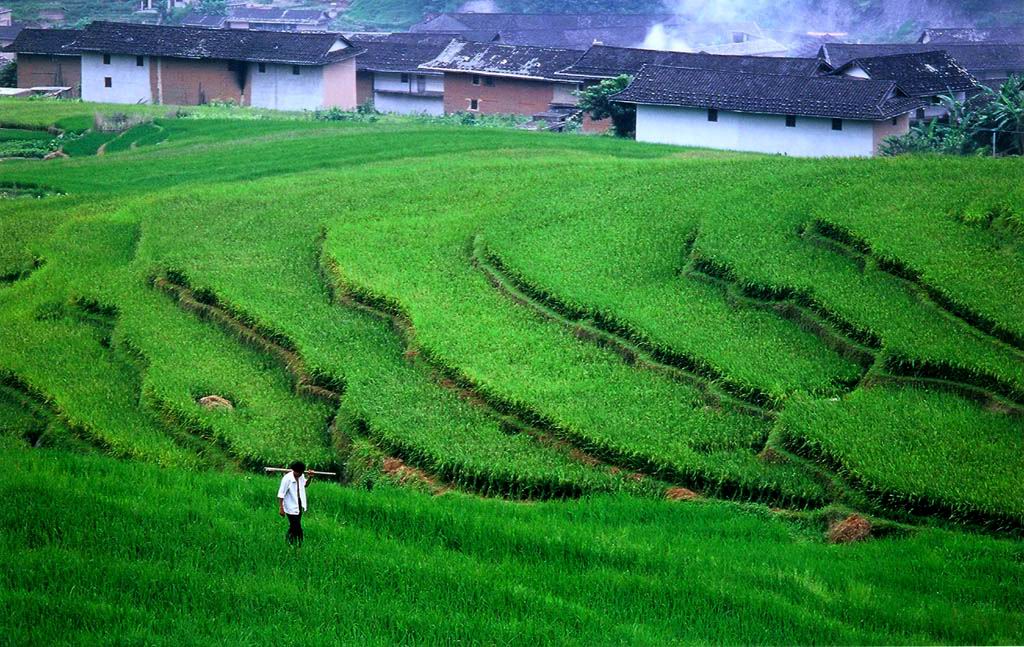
(45, 41)
(398, 52)
(542, 21)
(1009, 35)
(503, 60)
(602, 62)
(297, 48)
(768, 93)
(752, 47)
(922, 74)
(267, 14)
(10, 32)
(974, 57)
(195, 19)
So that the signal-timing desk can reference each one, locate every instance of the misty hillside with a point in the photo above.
(865, 18)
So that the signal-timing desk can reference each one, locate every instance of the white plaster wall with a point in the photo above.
(812, 137)
(130, 83)
(408, 104)
(392, 82)
(279, 89)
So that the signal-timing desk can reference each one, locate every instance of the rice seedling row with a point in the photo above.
(628, 343)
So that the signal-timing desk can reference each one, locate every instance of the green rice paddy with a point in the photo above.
(514, 347)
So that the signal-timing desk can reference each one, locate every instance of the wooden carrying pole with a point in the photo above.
(286, 469)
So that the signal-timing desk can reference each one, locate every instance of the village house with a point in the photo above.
(262, 18)
(603, 62)
(990, 63)
(133, 63)
(9, 31)
(490, 78)
(153, 5)
(925, 75)
(388, 74)
(820, 116)
(48, 58)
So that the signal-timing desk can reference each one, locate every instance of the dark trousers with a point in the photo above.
(294, 535)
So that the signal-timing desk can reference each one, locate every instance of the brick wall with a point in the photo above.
(364, 87)
(506, 96)
(887, 128)
(595, 126)
(184, 82)
(35, 70)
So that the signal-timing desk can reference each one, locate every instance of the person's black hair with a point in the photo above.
(298, 466)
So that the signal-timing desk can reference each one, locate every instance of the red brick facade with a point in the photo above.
(592, 126)
(507, 96)
(185, 82)
(43, 70)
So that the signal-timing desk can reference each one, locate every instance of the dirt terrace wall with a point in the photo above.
(40, 70)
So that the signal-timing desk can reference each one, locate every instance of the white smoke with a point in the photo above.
(479, 6)
(665, 39)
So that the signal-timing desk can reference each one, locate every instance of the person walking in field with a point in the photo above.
(291, 498)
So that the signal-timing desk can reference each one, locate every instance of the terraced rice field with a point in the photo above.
(528, 316)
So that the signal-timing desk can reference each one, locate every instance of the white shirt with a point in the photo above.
(289, 490)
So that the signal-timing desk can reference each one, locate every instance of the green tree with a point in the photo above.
(596, 101)
(213, 7)
(1006, 110)
(9, 75)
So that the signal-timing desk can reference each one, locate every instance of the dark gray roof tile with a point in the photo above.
(602, 62)
(503, 60)
(298, 48)
(921, 74)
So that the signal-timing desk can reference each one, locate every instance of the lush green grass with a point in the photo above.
(116, 552)
(366, 258)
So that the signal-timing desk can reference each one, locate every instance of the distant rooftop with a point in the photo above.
(602, 62)
(503, 60)
(819, 96)
(975, 57)
(1004, 35)
(398, 52)
(921, 74)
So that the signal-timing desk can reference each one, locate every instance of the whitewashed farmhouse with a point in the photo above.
(768, 113)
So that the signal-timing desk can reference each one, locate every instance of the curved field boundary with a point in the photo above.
(511, 420)
(11, 190)
(627, 343)
(845, 242)
(50, 419)
(21, 275)
(633, 464)
(910, 509)
(866, 350)
(206, 307)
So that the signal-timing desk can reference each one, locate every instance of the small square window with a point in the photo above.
(895, 121)
(476, 80)
(837, 124)
(108, 82)
(920, 113)
(140, 61)
(106, 59)
(295, 70)
(790, 121)
(489, 81)
(405, 78)
(474, 104)
(261, 68)
(712, 114)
